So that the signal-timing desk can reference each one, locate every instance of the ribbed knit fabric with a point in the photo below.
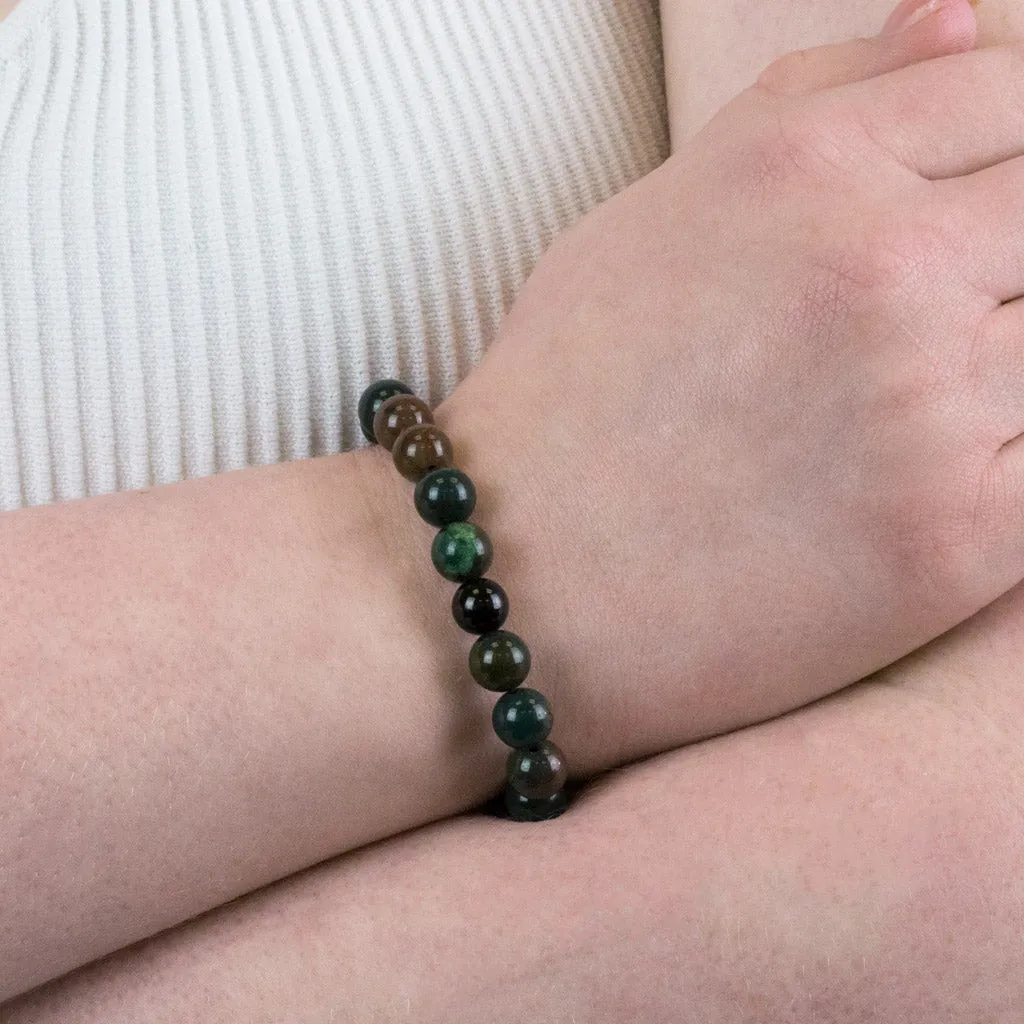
(220, 219)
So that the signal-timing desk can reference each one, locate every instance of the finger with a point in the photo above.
(944, 117)
(997, 366)
(1001, 502)
(918, 30)
(987, 211)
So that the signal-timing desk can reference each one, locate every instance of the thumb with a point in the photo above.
(917, 30)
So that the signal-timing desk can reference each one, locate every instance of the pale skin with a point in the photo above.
(714, 51)
(315, 513)
(858, 861)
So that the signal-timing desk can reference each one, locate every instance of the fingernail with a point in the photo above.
(909, 13)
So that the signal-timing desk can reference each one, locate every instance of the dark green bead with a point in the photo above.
(480, 606)
(522, 718)
(373, 398)
(445, 496)
(461, 551)
(538, 771)
(499, 661)
(522, 808)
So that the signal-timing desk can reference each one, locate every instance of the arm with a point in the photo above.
(209, 685)
(856, 861)
(216, 684)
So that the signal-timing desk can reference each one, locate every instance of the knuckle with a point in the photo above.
(935, 540)
(893, 250)
(945, 508)
(786, 75)
(796, 146)
(1011, 76)
(1014, 55)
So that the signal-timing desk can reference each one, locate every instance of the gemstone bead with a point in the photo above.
(418, 450)
(522, 808)
(499, 661)
(396, 414)
(445, 496)
(461, 551)
(373, 398)
(480, 606)
(522, 718)
(538, 772)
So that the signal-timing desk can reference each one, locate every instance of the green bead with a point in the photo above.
(445, 496)
(523, 808)
(538, 771)
(522, 718)
(499, 661)
(373, 398)
(461, 551)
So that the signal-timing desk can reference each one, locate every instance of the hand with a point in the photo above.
(749, 432)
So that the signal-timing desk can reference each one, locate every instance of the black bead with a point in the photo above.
(538, 771)
(499, 661)
(445, 496)
(480, 606)
(373, 398)
(522, 718)
(523, 808)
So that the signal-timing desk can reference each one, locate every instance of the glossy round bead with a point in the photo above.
(461, 551)
(418, 450)
(373, 398)
(445, 496)
(538, 772)
(522, 808)
(480, 606)
(499, 661)
(396, 414)
(522, 718)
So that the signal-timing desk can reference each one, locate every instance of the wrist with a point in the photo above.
(541, 562)
(438, 717)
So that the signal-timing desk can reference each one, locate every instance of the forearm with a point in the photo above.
(210, 685)
(810, 869)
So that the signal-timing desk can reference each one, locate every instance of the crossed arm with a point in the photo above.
(756, 904)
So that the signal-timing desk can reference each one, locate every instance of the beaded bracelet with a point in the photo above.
(393, 417)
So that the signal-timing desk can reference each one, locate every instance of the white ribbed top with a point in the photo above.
(220, 219)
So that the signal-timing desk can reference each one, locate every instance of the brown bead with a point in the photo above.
(418, 450)
(397, 414)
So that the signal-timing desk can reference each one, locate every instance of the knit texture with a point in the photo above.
(220, 219)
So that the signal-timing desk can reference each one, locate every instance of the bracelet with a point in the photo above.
(393, 417)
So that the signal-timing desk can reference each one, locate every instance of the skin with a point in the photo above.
(303, 596)
(884, 885)
(151, 886)
(6, 6)
(250, 700)
(714, 51)
(873, 331)
(855, 862)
